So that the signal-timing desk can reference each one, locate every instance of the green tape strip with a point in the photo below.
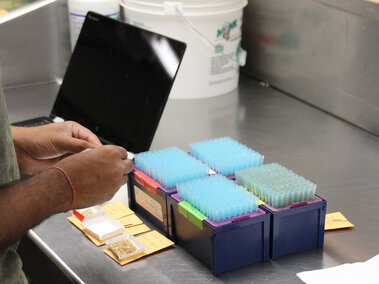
(192, 214)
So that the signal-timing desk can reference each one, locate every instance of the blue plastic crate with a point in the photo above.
(297, 227)
(221, 247)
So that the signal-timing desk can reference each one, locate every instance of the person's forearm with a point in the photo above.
(26, 204)
(19, 135)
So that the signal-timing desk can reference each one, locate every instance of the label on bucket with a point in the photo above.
(226, 29)
(227, 44)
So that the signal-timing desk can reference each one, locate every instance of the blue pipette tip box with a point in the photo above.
(225, 155)
(220, 246)
(297, 227)
(154, 177)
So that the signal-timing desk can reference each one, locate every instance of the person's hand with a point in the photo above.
(95, 174)
(38, 148)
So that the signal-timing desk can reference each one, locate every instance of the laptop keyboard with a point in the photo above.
(38, 123)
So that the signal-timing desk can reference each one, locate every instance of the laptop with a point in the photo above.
(117, 82)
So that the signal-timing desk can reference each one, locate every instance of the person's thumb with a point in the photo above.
(70, 145)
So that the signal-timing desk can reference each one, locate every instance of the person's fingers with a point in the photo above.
(128, 166)
(69, 145)
(122, 151)
(80, 132)
(125, 179)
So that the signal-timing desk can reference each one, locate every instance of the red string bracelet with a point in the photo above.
(69, 181)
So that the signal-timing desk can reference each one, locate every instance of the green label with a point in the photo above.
(219, 48)
(224, 31)
(192, 214)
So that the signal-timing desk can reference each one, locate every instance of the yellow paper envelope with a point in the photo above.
(133, 220)
(117, 210)
(125, 221)
(75, 221)
(152, 241)
(335, 221)
(139, 229)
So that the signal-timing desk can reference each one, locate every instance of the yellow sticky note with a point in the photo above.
(261, 202)
(152, 241)
(117, 210)
(3, 12)
(139, 229)
(335, 221)
(133, 220)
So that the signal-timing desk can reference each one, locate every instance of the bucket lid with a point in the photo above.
(187, 7)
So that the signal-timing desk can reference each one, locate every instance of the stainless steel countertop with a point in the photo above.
(341, 159)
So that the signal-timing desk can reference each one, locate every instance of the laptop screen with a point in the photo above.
(118, 81)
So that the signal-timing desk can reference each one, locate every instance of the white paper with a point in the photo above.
(102, 226)
(359, 272)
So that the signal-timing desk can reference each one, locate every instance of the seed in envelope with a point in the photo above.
(122, 247)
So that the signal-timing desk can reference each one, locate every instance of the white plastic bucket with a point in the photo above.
(78, 9)
(212, 31)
